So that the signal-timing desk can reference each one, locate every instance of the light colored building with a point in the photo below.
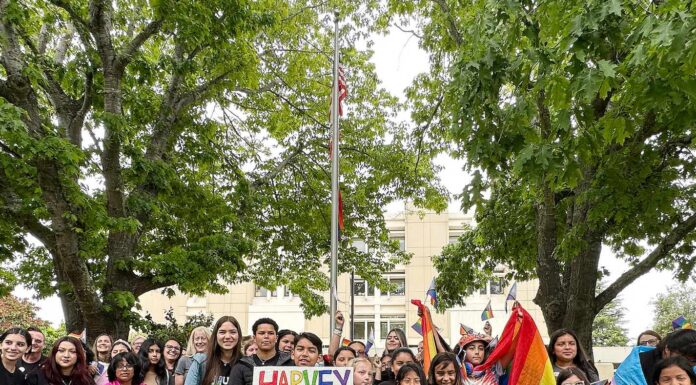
(423, 234)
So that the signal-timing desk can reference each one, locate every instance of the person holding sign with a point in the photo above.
(307, 349)
(265, 332)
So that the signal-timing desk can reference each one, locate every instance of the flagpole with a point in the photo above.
(334, 182)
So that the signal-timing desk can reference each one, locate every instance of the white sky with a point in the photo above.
(398, 60)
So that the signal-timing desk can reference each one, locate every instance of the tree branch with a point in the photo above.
(278, 169)
(130, 49)
(76, 21)
(454, 32)
(661, 251)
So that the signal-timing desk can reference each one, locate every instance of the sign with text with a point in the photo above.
(296, 375)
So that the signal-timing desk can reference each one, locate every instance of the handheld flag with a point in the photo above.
(630, 372)
(345, 342)
(521, 350)
(464, 330)
(681, 323)
(429, 348)
(370, 341)
(431, 293)
(487, 312)
(418, 327)
(512, 295)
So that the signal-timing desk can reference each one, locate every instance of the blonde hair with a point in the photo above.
(107, 356)
(362, 360)
(190, 348)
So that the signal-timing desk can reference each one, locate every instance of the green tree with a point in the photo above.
(607, 328)
(576, 120)
(679, 300)
(171, 327)
(184, 143)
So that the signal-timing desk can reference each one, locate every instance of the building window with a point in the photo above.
(398, 286)
(287, 291)
(399, 236)
(363, 328)
(494, 286)
(389, 322)
(360, 245)
(361, 287)
(261, 291)
(454, 238)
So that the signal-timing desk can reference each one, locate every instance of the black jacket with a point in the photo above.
(648, 360)
(243, 371)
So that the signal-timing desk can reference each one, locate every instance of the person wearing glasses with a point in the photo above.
(125, 369)
(674, 371)
(649, 338)
(67, 364)
(680, 342)
(572, 376)
(172, 352)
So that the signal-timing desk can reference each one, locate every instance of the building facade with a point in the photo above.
(423, 234)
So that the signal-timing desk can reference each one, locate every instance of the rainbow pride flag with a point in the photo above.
(522, 351)
(429, 347)
(487, 312)
(345, 342)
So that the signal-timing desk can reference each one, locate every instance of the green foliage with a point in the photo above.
(187, 146)
(679, 300)
(51, 335)
(608, 327)
(576, 120)
(171, 329)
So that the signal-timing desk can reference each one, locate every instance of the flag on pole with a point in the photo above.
(512, 295)
(370, 341)
(522, 352)
(431, 293)
(464, 330)
(429, 348)
(340, 214)
(487, 312)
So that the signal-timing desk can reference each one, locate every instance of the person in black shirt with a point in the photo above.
(34, 358)
(65, 365)
(14, 342)
(225, 350)
(265, 332)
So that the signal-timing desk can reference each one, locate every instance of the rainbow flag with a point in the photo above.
(432, 293)
(429, 348)
(418, 327)
(345, 342)
(681, 323)
(522, 351)
(487, 312)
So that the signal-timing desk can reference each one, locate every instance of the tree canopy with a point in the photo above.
(680, 300)
(146, 145)
(576, 120)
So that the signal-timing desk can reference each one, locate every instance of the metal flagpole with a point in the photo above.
(334, 182)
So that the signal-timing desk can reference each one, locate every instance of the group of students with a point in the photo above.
(223, 357)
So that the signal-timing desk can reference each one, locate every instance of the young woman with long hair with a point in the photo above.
(14, 342)
(172, 353)
(154, 369)
(224, 351)
(66, 365)
(125, 369)
(565, 351)
(410, 373)
(444, 370)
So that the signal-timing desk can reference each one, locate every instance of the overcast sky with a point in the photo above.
(398, 60)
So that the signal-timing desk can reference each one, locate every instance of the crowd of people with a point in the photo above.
(221, 356)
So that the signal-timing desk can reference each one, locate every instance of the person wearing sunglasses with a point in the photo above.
(125, 369)
(572, 376)
(649, 338)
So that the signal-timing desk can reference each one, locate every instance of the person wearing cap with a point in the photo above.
(472, 353)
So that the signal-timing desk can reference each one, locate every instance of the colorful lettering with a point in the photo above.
(321, 377)
(274, 381)
(295, 377)
(343, 381)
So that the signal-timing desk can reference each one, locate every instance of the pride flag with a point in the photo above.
(680, 323)
(522, 351)
(429, 348)
(345, 342)
(432, 293)
(418, 327)
(487, 312)
(370, 341)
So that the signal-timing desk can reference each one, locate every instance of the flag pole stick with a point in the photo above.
(334, 182)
